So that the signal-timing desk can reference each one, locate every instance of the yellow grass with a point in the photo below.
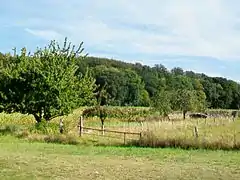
(209, 130)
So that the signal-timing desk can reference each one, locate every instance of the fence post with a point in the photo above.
(61, 126)
(195, 131)
(234, 139)
(124, 138)
(103, 128)
(142, 125)
(81, 125)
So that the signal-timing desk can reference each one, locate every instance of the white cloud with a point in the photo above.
(192, 28)
(199, 35)
(45, 34)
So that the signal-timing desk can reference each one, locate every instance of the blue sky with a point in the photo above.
(198, 35)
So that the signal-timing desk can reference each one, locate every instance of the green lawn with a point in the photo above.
(20, 159)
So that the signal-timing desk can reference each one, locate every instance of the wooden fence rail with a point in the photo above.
(125, 133)
(112, 131)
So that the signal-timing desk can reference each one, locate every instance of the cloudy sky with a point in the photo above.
(198, 35)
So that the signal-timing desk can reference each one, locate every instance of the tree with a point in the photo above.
(200, 103)
(151, 79)
(187, 100)
(220, 92)
(161, 102)
(144, 99)
(123, 87)
(45, 84)
(177, 71)
(113, 81)
(98, 110)
(134, 88)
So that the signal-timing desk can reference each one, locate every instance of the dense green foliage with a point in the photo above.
(120, 77)
(45, 84)
(53, 81)
(124, 113)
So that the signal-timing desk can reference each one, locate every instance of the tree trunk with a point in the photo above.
(167, 117)
(102, 121)
(37, 118)
(184, 114)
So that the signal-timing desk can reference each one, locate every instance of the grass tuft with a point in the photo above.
(10, 129)
(153, 140)
(61, 139)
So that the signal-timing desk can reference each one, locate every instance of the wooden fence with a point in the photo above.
(103, 130)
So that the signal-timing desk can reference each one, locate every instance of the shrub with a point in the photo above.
(10, 129)
(130, 113)
(61, 139)
(23, 134)
(58, 139)
(45, 127)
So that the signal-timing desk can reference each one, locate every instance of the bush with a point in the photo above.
(130, 113)
(23, 134)
(45, 127)
(10, 129)
(58, 139)
(61, 139)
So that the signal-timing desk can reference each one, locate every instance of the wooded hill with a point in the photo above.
(136, 84)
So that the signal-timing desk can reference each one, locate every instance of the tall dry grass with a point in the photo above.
(207, 134)
(218, 133)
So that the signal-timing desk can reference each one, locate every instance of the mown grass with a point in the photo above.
(20, 159)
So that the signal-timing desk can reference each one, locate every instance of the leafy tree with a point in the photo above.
(2, 60)
(187, 100)
(144, 99)
(45, 84)
(161, 102)
(135, 88)
(177, 71)
(123, 87)
(220, 92)
(161, 70)
(150, 78)
(179, 82)
(113, 81)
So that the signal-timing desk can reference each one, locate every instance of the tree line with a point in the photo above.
(54, 80)
(137, 84)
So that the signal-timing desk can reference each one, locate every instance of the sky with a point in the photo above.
(198, 35)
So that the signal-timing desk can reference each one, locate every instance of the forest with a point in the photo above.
(54, 80)
(130, 84)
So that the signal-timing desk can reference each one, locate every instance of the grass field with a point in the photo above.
(215, 133)
(102, 157)
(20, 159)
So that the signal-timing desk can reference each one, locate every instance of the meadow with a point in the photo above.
(20, 159)
(30, 151)
(211, 133)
